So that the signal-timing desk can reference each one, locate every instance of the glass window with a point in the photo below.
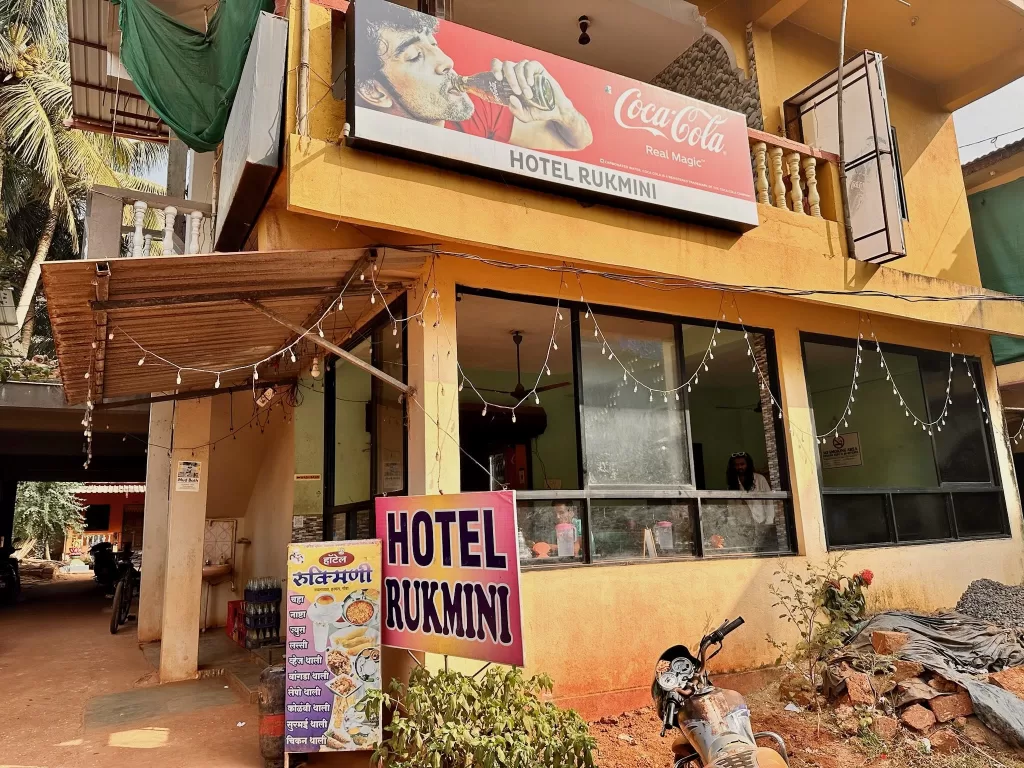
(506, 359)
(921, 516)
(389, 411)
(634, 529)
(731, 415)
(550, 532)
(634, 436)
(980, 514)
(352, 388)
(743, 526)
(604, 410)
(902, 436)
(97, 517)
(857, 519)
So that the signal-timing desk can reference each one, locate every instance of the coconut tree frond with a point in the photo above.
(127, 155)
(46, 21)
(30, 129)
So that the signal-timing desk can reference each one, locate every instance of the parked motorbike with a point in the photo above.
(104, 565)
(714, 723)
(10, 577)
(129, 576)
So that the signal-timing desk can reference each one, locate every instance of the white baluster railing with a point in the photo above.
(169, 213)
(786, 173)
(140, 217)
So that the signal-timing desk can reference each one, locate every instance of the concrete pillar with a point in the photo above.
(186, 520)
(801, 444)
(154, 537)
(433, 372)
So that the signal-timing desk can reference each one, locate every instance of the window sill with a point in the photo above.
(659, 560)
(924, 542)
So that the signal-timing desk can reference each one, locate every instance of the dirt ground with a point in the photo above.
(64, 678)
(633, 740)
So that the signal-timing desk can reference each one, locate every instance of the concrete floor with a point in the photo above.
(75, 695)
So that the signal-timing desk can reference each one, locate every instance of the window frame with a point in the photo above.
(585, 495)
(948, 489)
(380, 321)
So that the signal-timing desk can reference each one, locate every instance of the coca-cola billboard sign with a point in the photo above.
(424, 86)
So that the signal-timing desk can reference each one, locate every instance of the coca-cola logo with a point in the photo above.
(336, 559)
(690, 124)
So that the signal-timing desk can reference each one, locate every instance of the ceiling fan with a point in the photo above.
(520, 391)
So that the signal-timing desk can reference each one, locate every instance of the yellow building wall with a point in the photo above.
(598, 629)
(938, 233)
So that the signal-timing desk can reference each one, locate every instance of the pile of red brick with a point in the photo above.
(904, 696)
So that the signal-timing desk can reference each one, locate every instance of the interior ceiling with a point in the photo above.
(635, 38)
(949, 37)
(485, 328)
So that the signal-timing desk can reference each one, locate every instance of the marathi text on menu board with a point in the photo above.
(332, 646)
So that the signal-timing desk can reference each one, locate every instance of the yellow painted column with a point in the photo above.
(801, 444)
(154, 538)
(433, 374)
(1001, 442)
(186, 520)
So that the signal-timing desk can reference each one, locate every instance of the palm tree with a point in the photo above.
(43, 164)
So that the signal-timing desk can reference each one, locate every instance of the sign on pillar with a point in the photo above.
(332, 646)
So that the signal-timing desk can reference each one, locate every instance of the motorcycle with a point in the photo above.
(129, 575)
(104, 565)
(10, 576)
(714, 723)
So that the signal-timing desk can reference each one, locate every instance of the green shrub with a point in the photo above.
(449, 720)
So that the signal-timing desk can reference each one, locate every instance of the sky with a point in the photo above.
(997, 113)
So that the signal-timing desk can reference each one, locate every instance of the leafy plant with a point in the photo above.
(46, 511)
(823, 605)
(449, 720)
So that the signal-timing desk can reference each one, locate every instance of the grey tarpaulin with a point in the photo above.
(957, 647)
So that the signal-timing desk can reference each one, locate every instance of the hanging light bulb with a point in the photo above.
(142, 360)
(705, 366)
(650, 398)
(362, 276)
(179, 376)
(373, 298)
(559, 314)
(554, 346)
(292, 353)
(394, 330)
(666, 397)
(484, 411)
(341, 304)
(536, 399)
(320, 330)
(87, 374)
(634, 387)
(462, 383)
(547, 370)
(513, 417)
(216, 384)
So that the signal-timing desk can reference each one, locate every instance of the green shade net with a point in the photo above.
(189, 78)
(997, 218)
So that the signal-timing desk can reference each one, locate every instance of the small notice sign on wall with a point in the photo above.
(187, 479)
(842, 450)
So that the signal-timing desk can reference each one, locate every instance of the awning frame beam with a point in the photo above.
(332, 348)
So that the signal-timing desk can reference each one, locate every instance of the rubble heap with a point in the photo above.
(1000, 604)
(895, 698)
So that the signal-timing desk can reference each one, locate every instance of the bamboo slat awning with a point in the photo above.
(195, 312)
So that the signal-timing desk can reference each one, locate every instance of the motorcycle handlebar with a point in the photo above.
(719, 634)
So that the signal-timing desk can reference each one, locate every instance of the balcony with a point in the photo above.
(123, 223)
(794, 177)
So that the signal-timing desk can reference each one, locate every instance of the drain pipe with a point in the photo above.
(302, 92)
(843, 193)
